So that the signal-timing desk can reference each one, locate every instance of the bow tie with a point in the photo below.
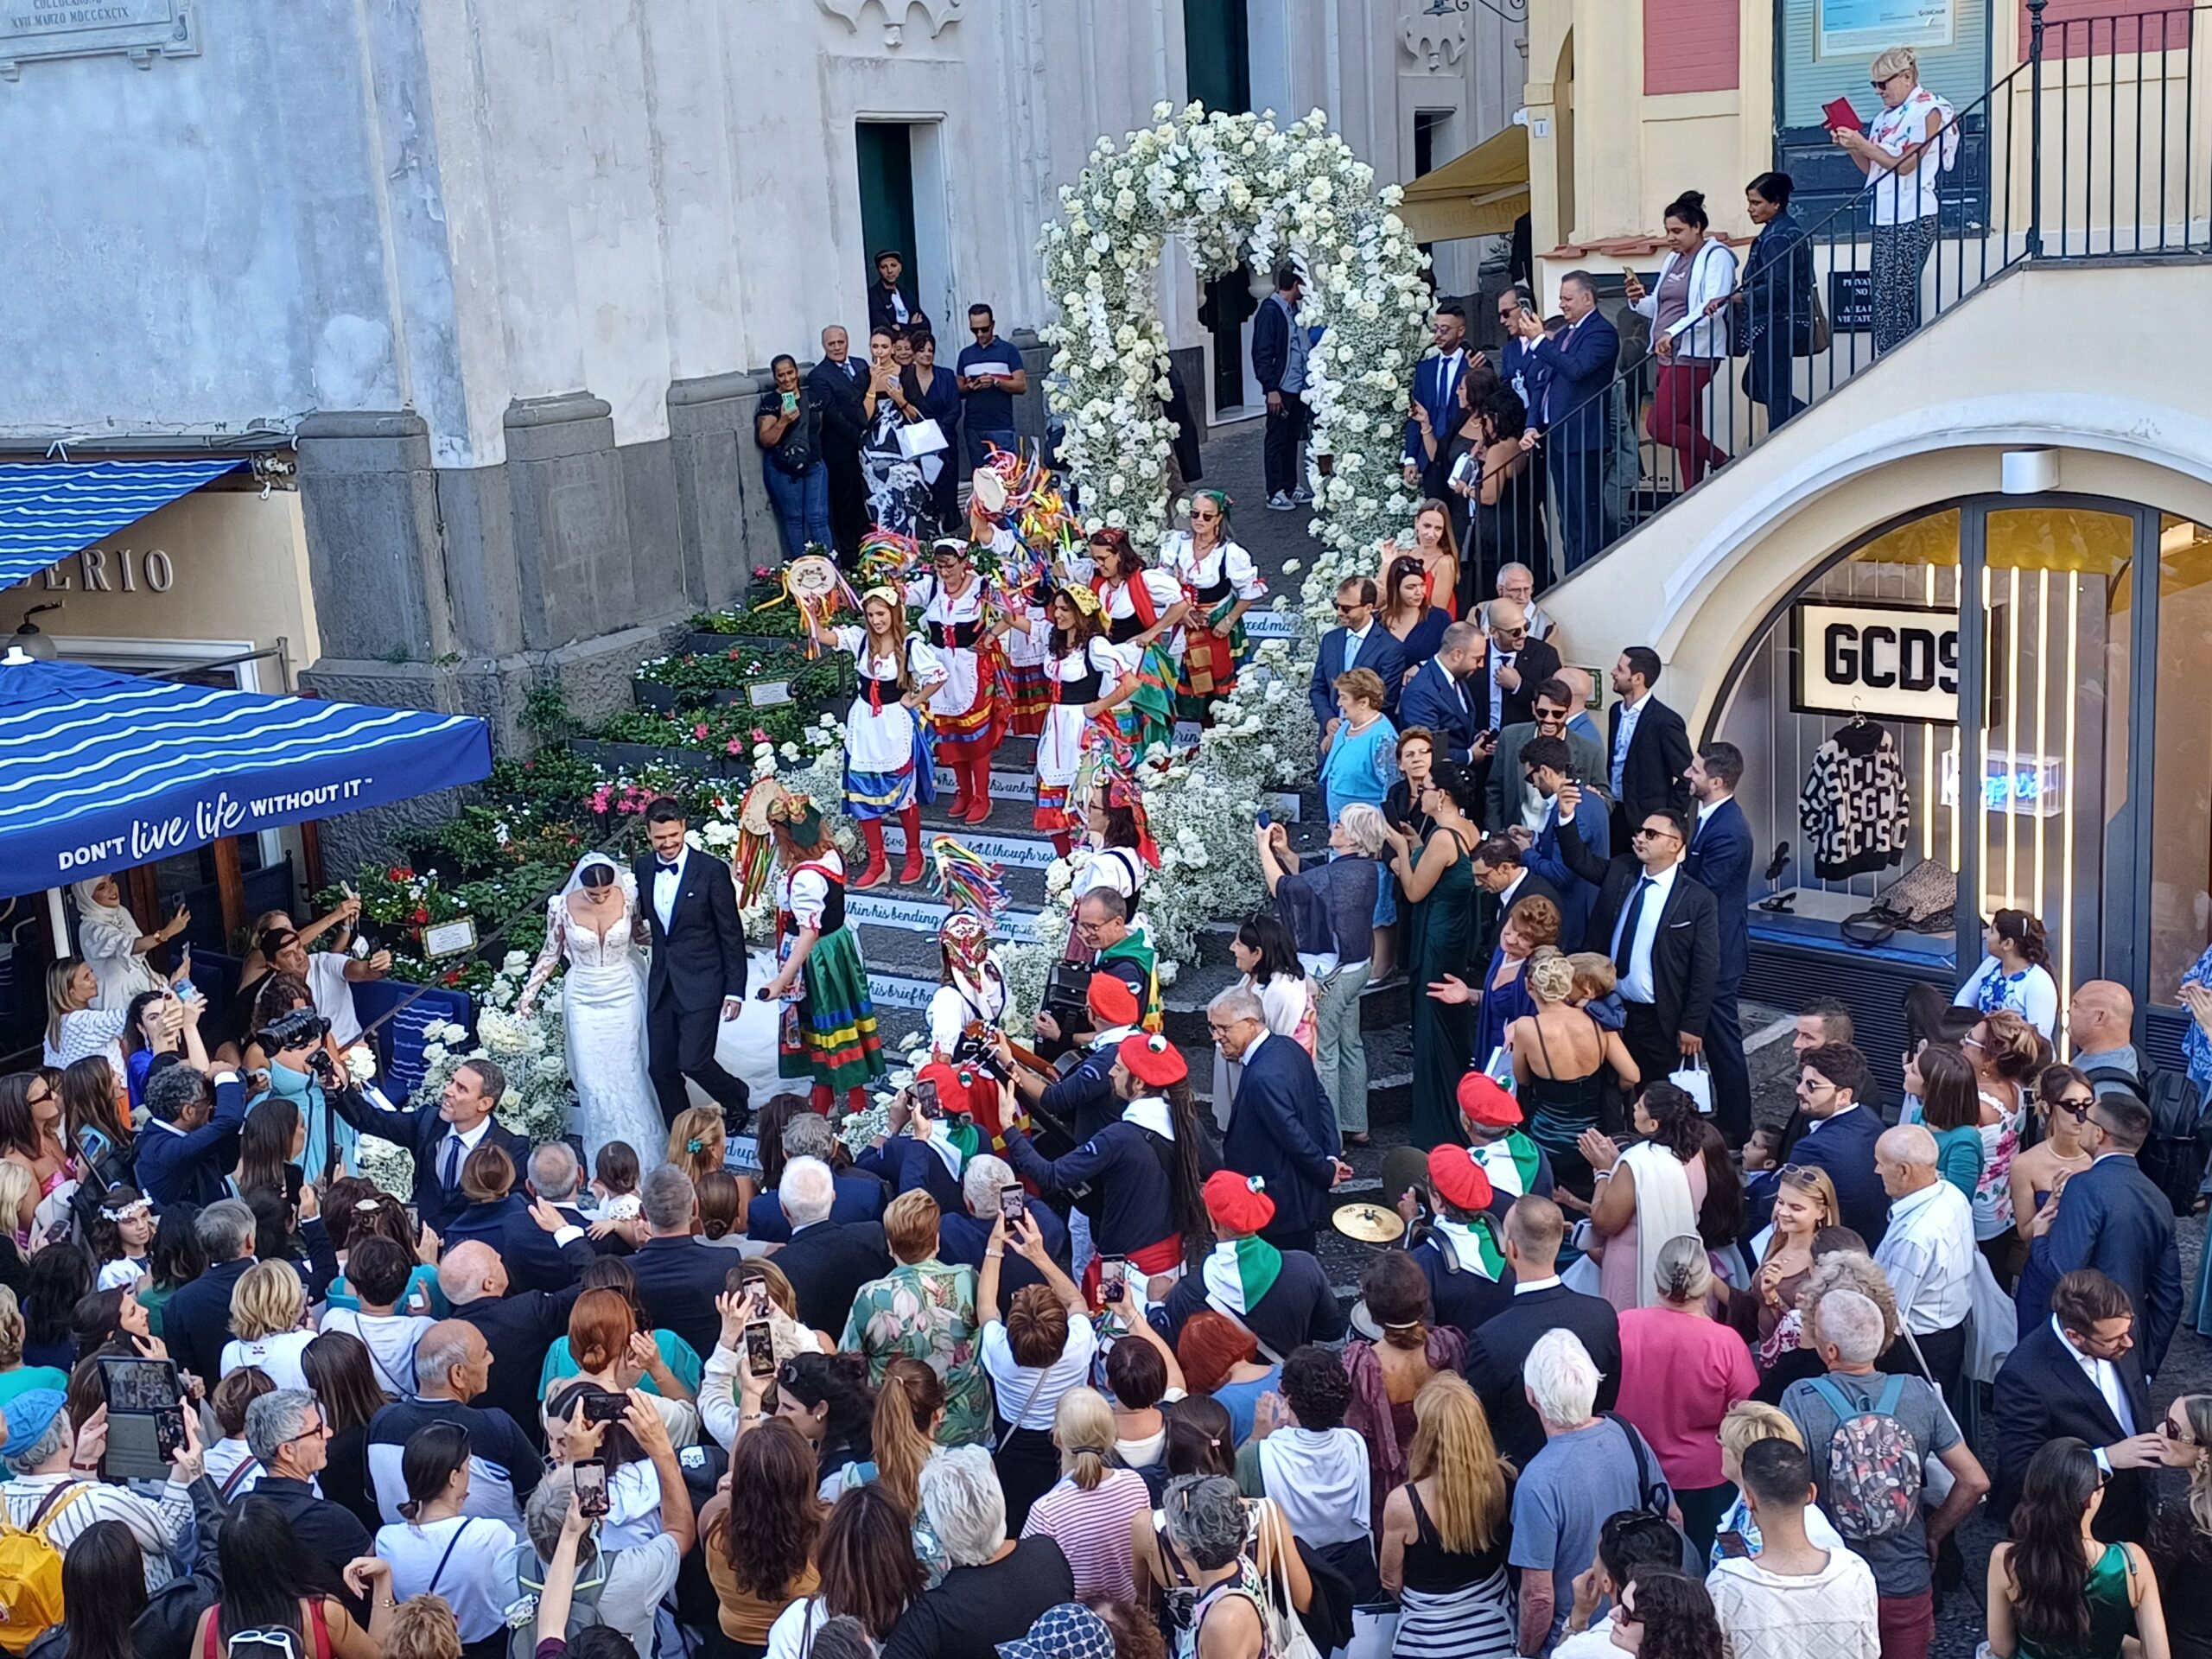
(668, 863)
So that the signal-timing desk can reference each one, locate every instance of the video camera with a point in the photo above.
(299, 1029)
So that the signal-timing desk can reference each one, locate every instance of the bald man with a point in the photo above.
(518, 1328)
(1928, 1253)
(2100, 1022)
(1583, 688)
(1518, 665)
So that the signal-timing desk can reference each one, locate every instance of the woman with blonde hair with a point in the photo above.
(1903, 153)
(1748, 1422)
(2181, 1537)
(1766, 1314)
(697, 1142)
(1560, 1054)
(1444, 1534)
(269, 1312)
(1088, 1513)
(885, 760)
(924, 1309)
(1681, 1373)
(1358, 758)
(75, 1026)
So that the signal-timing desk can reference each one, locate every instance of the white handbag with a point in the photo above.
(1287, 1637)
(921, 438)
(1693, 1080)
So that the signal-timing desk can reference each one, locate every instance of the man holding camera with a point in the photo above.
(191, 1140)
(440, 1140)
(922, 1146)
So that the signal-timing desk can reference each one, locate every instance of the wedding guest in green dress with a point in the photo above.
(1439, 889)
(2056, 1590)
(924, 1309)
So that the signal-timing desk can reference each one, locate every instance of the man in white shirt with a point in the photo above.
(1792, 1600)
(1928, 1253)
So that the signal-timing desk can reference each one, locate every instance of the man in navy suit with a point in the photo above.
(1548, 764)
(1359, 640)
(440, 1137)
(1281, 1127)
(2076, 1373)
(1721, 863)
(697, 979)
(530, 1258)
(1436, 394)
(1832, 1080)
(1516, 364)
(191, 1139)
(2112, 1217)
(1576, 428)
(1439, 698)
(1279, 364)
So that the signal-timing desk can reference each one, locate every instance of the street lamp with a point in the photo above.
(27, 639)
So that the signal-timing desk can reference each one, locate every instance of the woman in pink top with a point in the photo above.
(1681, 1372)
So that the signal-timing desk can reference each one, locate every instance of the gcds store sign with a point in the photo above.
(1898, 662)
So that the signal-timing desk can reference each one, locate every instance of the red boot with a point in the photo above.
(958, 810)
(910, 820)
(979, 790)
(872, 832)
(818, 1099)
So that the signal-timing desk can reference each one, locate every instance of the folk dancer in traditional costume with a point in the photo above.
(1090, 677)
(966, 711)
(1219, 584)
(1028, 674)
(1142, 607)
(1490, 1118)
(828, 1031)
(887, 756)
(965, 1012)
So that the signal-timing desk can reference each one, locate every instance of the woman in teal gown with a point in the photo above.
(1440, 889)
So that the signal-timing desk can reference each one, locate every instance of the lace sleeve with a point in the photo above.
(550, 957)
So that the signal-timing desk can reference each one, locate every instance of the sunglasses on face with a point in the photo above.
(2177, 1432)
(1648, 834)
(2074, 1106)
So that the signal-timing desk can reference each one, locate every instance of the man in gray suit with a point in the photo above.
(1553, 704)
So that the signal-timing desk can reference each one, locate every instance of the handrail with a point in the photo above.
(1584, 478)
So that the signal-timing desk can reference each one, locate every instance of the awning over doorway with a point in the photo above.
(1480, 193)
(101, 771)
(49, 509)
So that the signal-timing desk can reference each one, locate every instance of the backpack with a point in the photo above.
(527, 1575)
(30, 1573)
(1872, 1488)
(2174, 1155)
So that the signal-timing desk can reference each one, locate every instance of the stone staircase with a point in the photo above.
(897, 926)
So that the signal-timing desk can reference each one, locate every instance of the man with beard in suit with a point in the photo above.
(697, 979)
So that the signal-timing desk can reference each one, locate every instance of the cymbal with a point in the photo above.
(1371, 1223)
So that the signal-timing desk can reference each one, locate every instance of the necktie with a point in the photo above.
(449, 1171)
(1352, 649)
(1624, 935)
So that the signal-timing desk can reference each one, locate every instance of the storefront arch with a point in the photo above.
(2080, 792)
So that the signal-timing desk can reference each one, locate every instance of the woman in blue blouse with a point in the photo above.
(1359, 759)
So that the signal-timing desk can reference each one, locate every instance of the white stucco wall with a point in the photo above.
(448, 205)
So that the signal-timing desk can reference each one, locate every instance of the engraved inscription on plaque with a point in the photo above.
(140, 30)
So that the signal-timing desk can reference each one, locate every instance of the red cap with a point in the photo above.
(1484, 1101)
(1238, 1203)
(1110, 998)
(1152, 1060)
(1459, 1180)
(951, 1085)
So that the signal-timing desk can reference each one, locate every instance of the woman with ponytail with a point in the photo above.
(436, 1548)
(910, 1405)
(2055, 1592)
(1089, 1512)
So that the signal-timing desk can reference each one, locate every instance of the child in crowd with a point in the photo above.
(615, 1181)
(122, 1237)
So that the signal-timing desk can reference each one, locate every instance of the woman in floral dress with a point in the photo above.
(924, 1309)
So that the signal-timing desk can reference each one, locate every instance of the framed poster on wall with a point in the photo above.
(1858, 28)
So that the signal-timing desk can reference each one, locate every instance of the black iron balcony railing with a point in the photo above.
(2093, 147)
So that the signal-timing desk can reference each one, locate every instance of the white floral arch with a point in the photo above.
(1233, 186)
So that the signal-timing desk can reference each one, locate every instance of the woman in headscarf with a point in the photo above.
(111, 940)
(590, 927)
(829, 1032)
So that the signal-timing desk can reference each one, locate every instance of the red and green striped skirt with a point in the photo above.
(828, 1035)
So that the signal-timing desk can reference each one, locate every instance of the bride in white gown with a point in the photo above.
(590, 922)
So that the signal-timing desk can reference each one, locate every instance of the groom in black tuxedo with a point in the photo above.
(697, 980)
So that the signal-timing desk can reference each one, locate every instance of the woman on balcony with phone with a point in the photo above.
(1903, 176)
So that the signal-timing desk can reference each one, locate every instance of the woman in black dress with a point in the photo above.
(1506, 490)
